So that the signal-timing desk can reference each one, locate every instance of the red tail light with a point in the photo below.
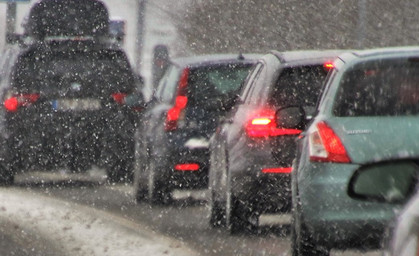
(176, 112)
(326, 146)
(119, 97)
(263, 124)
(12, 104)
(187, 167)
(277, 170)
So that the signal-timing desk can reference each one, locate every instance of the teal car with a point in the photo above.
(368, 114)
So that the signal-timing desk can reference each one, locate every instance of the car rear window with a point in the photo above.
(104, 69)
(379, 88)
(298, 86)
(216, 82)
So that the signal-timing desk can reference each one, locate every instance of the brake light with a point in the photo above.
(187, 167)
(13, 103)
(328, 65)
(263, 124)
(277, 170)
(175, 114)
(326, 146)
(119, 97)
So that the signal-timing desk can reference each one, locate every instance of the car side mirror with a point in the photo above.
(290, 117)
(389, 182)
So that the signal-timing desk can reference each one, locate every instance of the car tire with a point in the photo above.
(217, 213)
(301, 242)
(158, 193)
(139, 179)
(239, 217)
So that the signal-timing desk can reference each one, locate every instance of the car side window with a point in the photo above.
(171, 85)
(7, 63)
(255, 89)
(250, 81)
(168, 84)
(162, 84)
(328, 82)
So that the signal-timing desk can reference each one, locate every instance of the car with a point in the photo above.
(63, 107)
(172, 140)
(367, 114)
(395, 184)
(250, 155)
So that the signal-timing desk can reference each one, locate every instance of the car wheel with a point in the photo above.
(217, 213)
(139, 181)
(239, 217)
(158, 193)
(301, 242)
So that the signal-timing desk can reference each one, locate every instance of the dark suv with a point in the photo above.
(172, 143)
(251, 152)
(63, 106)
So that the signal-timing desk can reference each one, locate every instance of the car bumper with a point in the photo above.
(190, 179)
(266, 191)
(46, 141)
(174, 151)
(331, 216)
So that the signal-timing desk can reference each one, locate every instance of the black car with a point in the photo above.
(251, 153)
(63, 106)
(172, 142)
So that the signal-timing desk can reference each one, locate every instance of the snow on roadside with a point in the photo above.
(82, 230)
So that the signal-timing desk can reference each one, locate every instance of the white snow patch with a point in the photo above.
(197, 143)
(82, 230)
(197, 194)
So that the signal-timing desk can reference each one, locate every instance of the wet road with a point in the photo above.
(19, 241)
(185, 220)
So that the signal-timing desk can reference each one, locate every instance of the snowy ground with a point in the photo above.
(81, 230)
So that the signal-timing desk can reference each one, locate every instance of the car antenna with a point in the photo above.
(240, 57)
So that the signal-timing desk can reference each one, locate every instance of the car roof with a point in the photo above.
(307, 56)
(379, 53)
(202, 60)
(46, 17)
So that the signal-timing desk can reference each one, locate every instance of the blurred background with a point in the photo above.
(207, 26)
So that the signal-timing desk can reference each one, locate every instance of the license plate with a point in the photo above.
(76, 104)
